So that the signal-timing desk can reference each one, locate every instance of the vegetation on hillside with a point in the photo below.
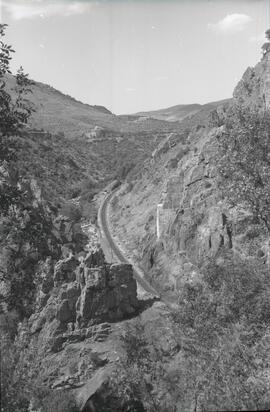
(14, 113)
(223, 326)
(26, 238)
(221, 355)
(244, 161)
(24, 227)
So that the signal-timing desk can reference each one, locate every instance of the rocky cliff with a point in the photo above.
(82, 335)
(194, 218)
(56, 291)
(253, 88)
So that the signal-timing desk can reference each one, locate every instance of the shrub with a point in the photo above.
(59, 401)
(223, 323)
(243, 161)
(140, 382)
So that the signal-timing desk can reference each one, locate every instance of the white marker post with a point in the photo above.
(159, 207)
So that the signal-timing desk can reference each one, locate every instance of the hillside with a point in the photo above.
(210, 188)
(182, 176)
(85, 144)
(82, 143)
(57, 112)
(192, 214)
(181, 111)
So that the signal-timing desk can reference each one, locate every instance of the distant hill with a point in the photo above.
(82, 143)
(57, 112)
(181, 111)
(89, 142)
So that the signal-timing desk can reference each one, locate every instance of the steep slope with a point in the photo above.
(209, 254)
(254, 87)
(82, 143)
(85, 340)
(57, 112)
(181, 177)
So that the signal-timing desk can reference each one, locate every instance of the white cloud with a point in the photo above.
(19, 10)
(230, 24)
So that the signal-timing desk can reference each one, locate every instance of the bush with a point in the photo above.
(59, 401)
(223, 323)
(140, 381)
(86, 189)
(243, 161)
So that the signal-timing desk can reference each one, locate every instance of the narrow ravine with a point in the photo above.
(119, 254)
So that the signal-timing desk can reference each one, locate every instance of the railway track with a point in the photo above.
(103, 221)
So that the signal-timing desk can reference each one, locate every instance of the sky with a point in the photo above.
(135, 55)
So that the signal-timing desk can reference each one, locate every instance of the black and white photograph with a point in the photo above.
(134, 205)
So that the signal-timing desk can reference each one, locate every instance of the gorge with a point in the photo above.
(187, 327)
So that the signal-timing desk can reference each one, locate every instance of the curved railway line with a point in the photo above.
(103, 219)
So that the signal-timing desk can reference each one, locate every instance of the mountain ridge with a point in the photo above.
(181, 111)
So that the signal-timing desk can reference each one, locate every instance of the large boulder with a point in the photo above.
(109, 293)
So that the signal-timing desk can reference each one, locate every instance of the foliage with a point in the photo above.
(86, 189)
(223, 326)
(17, 378)
(123, 169)
(265, 48)
(13, 114)
(21, 378)
(25, 222)
(243, 161)
(59, 401)
(140, 380)
(25, 238)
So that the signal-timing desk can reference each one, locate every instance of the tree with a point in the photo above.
(14, 113)
(222, 324)
(25, 225)
(244, 161)
(266, 46)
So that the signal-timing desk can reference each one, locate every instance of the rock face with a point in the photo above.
(81, 292)
(195, 222)
(254, 87)
(80, 299)
(108, 293)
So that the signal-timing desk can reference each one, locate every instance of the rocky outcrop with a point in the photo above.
(108, 293)
(180, 181)
(77, 293)
(254, 87)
